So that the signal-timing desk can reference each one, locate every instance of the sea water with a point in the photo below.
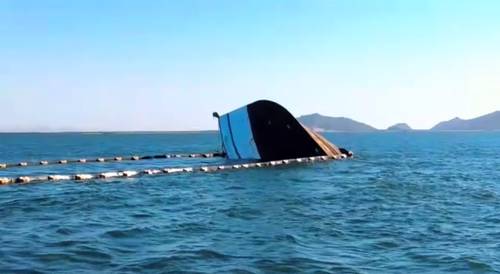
(415, 202)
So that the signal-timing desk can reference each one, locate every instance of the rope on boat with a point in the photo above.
(111, 159)
(165, 171)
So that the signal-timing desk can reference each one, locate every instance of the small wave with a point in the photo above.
(243, 213)
(452, 263)
(190, 228)
(64, 231)
(93, 254)
(176, 260)
(386, 244)
(142, 215)
(68, 243)
(127, 232)
(235, 187)
(301, 264)
(83, 255)
(239, 271)
(208, 254)
(287, 238)
(478, 266)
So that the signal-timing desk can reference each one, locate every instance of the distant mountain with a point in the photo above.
(486, 122)
(400, 127)
(324, 123)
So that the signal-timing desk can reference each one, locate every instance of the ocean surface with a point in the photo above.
(415, 202)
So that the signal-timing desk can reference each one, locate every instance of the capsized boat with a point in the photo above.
(266, 131)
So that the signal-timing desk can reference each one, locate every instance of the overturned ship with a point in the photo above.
(266, 131)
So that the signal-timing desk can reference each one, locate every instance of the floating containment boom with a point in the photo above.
(263, 132)
(266, 131)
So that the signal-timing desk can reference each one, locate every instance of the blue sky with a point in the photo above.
(166, 65)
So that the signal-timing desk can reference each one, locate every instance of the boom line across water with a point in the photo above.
(110, 159)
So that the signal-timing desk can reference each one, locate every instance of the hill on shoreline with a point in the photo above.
(319, 122)
(489, 121)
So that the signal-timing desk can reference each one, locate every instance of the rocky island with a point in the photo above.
(400, 127)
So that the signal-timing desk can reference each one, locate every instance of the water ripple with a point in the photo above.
(409, 203)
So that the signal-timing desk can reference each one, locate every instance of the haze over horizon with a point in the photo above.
(167, 65)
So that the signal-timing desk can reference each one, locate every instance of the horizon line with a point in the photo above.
(210, 130)
(215, 130)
